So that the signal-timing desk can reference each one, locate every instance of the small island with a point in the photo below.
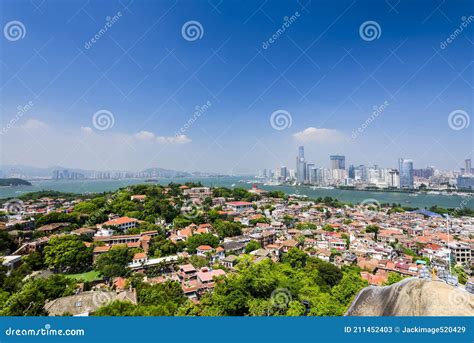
(13, 182)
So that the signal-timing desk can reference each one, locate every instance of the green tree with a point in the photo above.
(393, 278)
(67, 254)
(251, 246)
(346, 290)
(7, 243)
(30, 300)
(160, 246)
(228, 229)
(295, 258)
(202, 239)
(34, 260)
(114, 262)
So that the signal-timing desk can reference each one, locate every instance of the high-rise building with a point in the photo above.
(311, 174)
(364, 174)
(300, 166)
(465, 182)
(425, 173)
(468, 168)
(283, 173)
(351, 172)
(393, 178)
(405, 169)
(309, 166)
(301, 151)
(338, 162)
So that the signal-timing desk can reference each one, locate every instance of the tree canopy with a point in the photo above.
(67, 254)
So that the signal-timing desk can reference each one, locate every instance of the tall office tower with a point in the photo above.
(394, 179)
(338, 162)
(468, 169)
(364, 174)
(283, 173)
(351, 172)
(301, 151)
(309, 166)
(405, 169)
(300, 165)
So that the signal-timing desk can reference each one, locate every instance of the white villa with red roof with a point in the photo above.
(239, 206)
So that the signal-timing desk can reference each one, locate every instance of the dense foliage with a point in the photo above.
(67, 254)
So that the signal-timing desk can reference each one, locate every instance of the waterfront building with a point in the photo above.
(309, 166)
(300, 165)
(468, 168)
(405, 169)
(465, 182)
(393, 178)
(338, 162)
(351, 172)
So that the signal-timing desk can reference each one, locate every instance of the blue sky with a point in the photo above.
(320, 71)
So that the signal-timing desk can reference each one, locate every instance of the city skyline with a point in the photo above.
(404, 176)
(142, 93)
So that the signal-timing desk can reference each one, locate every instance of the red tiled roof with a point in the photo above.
(139, 255)
(204, 247)
(119, 221)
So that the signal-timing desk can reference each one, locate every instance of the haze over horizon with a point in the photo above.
(234, 99)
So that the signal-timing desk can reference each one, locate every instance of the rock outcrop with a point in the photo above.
(413, 297)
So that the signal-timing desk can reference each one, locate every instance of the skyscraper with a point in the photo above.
(468, 168)
(351, 172)
(301, 151)
(283, 173)
(405, 169)
(300, 165)
(309, 166)
(338, 162)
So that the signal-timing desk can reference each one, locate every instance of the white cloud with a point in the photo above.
(313, 134)
(86, 129)
(150, 136)
(34, 124)
(144, 135)
(179, 139)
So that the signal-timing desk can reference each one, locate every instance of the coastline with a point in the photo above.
(88, 186)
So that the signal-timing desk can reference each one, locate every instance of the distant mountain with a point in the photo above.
(14, 182)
